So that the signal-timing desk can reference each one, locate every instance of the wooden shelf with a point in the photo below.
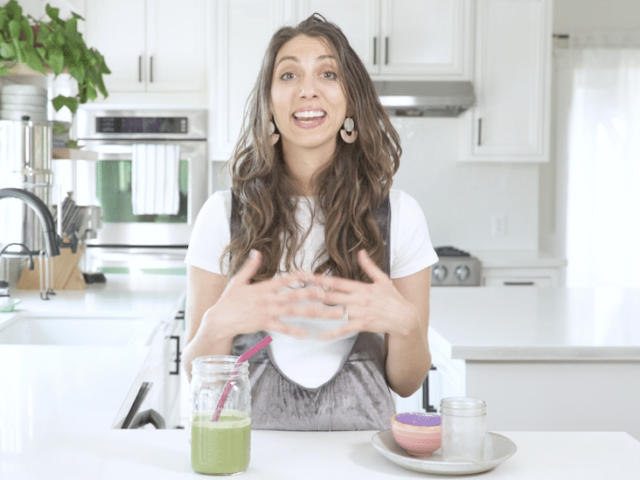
(73, 154)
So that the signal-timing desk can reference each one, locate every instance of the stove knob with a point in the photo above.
(439, 273)
(462, 272)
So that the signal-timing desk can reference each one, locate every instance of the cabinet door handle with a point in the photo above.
(513, 284)
(140, 69)
(425, 393)
(479, 131)
(151, 69)
(386, 50)
(178, 352)
(375, 49)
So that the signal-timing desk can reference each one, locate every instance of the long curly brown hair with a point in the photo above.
(349, 189)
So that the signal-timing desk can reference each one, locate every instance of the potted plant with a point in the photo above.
(54, 45)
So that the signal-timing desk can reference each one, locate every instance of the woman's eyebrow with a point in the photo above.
(297, 60)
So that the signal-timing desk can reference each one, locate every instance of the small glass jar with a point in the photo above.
(463, 429)
(222, 447)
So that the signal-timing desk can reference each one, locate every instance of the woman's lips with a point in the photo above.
(307, 123)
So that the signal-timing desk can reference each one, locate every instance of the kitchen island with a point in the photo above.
(59, 404)
(544, 359)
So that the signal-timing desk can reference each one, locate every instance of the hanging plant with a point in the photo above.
(56, 44)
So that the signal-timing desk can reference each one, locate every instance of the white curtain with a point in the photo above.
(598, 82)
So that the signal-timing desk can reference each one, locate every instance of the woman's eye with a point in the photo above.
(286, 76)
(330, 75)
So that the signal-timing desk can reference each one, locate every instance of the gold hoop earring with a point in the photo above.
(348, 133)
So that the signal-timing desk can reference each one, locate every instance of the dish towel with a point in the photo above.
(155, 184)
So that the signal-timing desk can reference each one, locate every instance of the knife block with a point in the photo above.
(66, 273)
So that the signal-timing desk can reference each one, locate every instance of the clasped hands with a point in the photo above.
(373, 307)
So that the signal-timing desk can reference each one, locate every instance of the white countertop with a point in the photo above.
(143, 295)
(46, 389)
(164, 455)
(529, 323)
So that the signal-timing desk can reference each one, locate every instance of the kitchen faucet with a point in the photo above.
(52, 241)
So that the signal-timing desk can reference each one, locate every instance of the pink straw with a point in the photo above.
(244, 357)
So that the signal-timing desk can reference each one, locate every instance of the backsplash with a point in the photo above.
(459, 198)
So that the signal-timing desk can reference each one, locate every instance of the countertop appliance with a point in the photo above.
(114, 135)
(456, 268)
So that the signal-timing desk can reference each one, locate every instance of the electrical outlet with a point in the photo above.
(498, 225)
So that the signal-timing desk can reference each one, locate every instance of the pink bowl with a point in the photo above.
(420, 434)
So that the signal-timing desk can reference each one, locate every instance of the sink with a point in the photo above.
(30, 329)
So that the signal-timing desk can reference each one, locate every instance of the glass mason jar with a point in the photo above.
(222, 447)
(463, 429)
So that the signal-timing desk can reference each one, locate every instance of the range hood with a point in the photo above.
(425, 98)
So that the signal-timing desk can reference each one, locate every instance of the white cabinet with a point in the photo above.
(511, 119)
(404, 39)
(521, 268)
(173, 370)
(521, 277)
(117, 29)
(359, 20)
(150, 45)
(243, 29)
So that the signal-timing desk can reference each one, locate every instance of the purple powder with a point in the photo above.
(419, 419)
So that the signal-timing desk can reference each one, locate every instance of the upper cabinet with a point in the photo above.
(241, 31)
(511, 119)
(404, 39)
(150, 45)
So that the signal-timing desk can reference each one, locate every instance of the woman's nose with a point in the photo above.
(308, 87)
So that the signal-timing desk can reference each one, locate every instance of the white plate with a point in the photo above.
(23, 100)
(23, 108)
(25, 90)
(496, 450)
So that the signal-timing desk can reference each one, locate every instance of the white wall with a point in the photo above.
(459, 198)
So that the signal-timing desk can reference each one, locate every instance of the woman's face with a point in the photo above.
(307, 99)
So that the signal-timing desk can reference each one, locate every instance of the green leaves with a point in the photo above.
(4, 18)
(52, 12)
(55, 59)
(14, 29)
(14, 9)
(7, 50)
(61, 101)
(56, 43)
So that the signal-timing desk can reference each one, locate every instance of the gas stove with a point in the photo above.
(455, 268)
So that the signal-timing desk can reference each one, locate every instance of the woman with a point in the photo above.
(298, 251)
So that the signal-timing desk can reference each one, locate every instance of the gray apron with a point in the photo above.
(357, 397)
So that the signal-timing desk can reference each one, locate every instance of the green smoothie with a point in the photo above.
(222, 447)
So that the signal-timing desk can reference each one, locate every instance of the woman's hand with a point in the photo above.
(246, 308)
(369, 307)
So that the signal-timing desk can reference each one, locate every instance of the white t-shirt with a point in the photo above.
(311, 362)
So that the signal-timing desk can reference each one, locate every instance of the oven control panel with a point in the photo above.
(152, 125)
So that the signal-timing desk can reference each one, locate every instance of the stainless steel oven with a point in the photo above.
(114, 134)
